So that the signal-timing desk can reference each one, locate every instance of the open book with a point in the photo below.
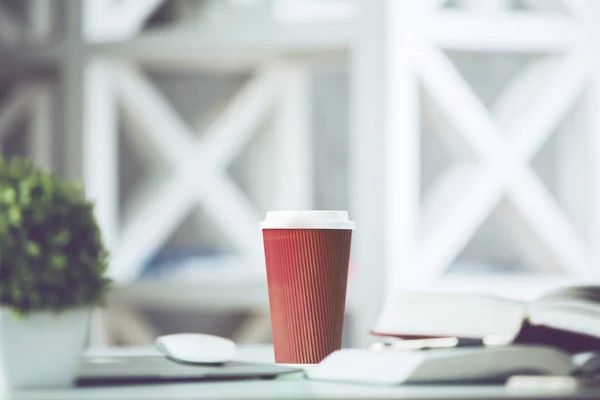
(567, 318)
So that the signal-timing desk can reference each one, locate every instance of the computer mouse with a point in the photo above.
(196, 348)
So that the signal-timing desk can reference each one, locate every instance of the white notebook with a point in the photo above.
(469, 364)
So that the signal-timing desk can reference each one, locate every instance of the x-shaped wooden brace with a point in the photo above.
(504, 169)
(198, 165)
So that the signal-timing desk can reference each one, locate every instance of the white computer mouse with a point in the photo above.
(196, 348)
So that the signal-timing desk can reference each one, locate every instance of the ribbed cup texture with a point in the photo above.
(307, 273)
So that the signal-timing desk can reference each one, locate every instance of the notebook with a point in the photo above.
(453, 365)
(568, 318)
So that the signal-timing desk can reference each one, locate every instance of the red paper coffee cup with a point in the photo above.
(307, 255)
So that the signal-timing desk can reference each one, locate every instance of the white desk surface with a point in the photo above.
(285, 388)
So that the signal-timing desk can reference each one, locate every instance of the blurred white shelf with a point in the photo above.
(210, 291)
(194, 47)
(198, 47)
(228, 291)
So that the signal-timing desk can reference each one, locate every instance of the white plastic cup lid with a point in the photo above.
(310, 219)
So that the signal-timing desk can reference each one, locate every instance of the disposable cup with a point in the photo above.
(307, 255)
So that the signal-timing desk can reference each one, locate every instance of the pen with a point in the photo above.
(436, 343)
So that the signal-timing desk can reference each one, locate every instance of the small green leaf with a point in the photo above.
(14, 215)
(9, 195)
(59, 262)
(62, 238)
(33, 249)
(24, 194)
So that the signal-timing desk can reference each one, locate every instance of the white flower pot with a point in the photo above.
(41, 349)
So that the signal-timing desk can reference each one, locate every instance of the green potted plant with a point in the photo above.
(52, 267)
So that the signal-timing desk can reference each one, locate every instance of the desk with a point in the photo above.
(285, 388)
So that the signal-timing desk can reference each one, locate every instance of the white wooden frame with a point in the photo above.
(367, 170)
(149, 116)
(198, 165)
(529, 109)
